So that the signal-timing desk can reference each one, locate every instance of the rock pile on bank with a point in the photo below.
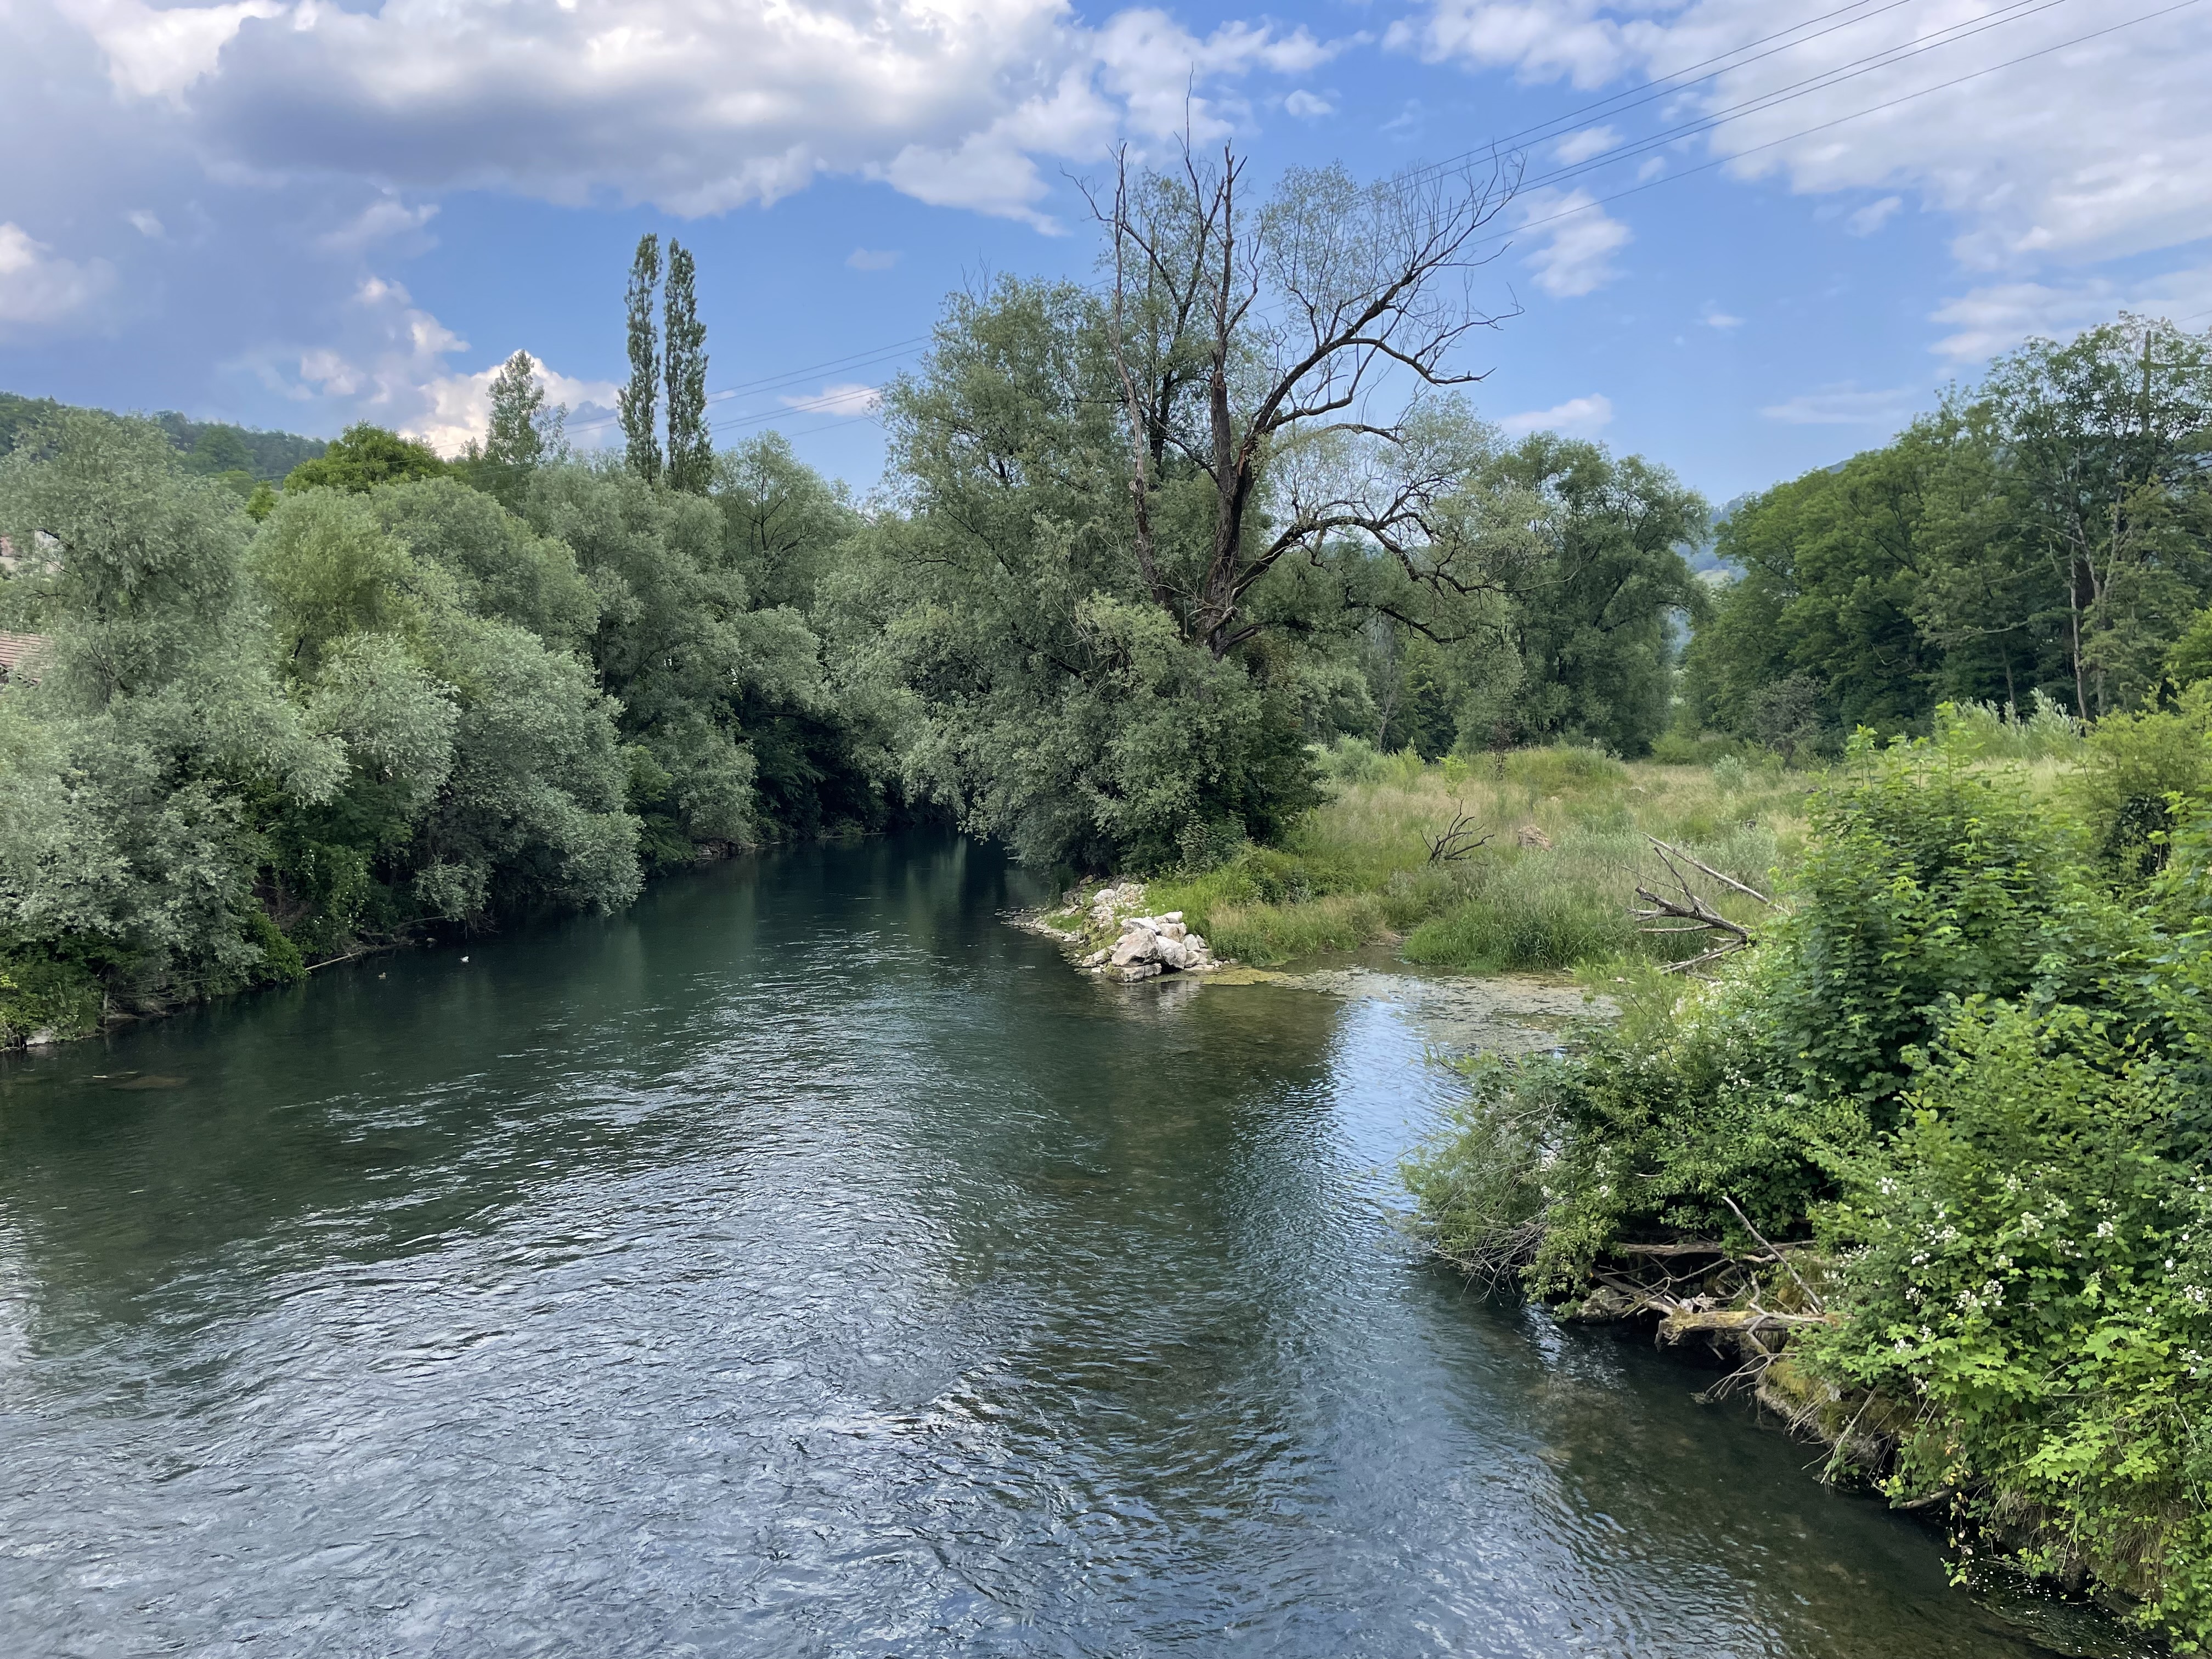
(1152, 945)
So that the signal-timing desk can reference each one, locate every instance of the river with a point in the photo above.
(806, 1262)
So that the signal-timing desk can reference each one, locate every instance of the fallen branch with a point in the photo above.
(1458, 841)
(1684, 910)
(1810, 1296)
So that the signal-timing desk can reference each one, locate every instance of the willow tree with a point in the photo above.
(1144, 521)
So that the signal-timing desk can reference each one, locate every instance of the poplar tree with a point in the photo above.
(691, 450)
(635, 403)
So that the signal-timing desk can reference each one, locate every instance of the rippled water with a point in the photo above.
(806, 1263)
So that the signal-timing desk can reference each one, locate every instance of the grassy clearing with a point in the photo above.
(1359, 869)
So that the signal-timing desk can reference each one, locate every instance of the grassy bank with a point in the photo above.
(1563, 839)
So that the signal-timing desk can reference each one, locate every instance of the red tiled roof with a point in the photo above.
(16, 651)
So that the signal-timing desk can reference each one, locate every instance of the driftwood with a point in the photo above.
(1684, 910)
(1459, 840)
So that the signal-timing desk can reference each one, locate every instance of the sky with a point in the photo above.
(1752, 237)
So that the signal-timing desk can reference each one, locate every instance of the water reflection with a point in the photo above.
(806, 1263)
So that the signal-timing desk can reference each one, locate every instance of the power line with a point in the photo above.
(1661, 86)
(1871, 109)
(852, 359)
(2020, 10)
(2014, 11)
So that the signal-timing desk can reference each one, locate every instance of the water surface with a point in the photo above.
(807, 1263)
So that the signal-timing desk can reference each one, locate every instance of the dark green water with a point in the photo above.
(806, 1263)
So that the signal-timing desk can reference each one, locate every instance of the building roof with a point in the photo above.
(17, 651)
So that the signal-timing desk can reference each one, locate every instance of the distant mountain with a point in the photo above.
(240, 456)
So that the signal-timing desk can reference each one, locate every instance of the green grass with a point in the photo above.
(1357, 870)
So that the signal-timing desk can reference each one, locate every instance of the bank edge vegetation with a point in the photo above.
(1151, 587)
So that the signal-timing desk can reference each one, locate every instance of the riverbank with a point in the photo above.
(1926, 1163)
(1524, 860)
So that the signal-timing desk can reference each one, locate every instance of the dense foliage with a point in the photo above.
(1969, 1070)
(392, 702)
(2043, 534)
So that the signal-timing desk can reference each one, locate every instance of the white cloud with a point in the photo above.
(843, 398)
(145, 224)
(870, 258)
(2092, 151)
(1307, 106)
(458, 407)
(1544, 39)
(1846, 405)
(38, 287)
(392, 366)
(380, 220)
(1716, 317)
(1578, 418)
(1581, 237)
(694, 106)
(1988, 320)
(1873, 216)
(161, 51)
(1581, 146)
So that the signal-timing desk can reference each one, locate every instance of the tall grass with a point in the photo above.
(1357, 869)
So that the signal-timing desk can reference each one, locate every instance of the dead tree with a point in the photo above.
(1240, 336)
(1684, 910)
(1459, 840)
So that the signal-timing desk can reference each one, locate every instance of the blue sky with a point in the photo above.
(296, 214)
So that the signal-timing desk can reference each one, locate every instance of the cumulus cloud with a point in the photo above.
(1846, 405)
(1716, 317)
(1579, 240)
(1308, 106)
(38, 287)
(2090, 152)
(159, 51)
(842, 398)
(390, 361)
(1578, 418)
(692, 106)
(458, 407)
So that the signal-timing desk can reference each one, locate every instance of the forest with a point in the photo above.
(1210, 571)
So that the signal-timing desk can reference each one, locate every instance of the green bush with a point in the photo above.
(1975, 1083)
(2027, 1261)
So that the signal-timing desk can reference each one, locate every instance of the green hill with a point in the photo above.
(240, 456)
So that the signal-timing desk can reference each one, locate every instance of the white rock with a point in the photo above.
(1172, 915)
(45, 1037)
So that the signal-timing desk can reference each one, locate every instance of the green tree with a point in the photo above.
(1592, 627)
(690, 445)
(522, 432)
(637, 401)
(126, 848)
(363, 457)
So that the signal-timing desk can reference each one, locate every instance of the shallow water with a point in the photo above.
(807, 1263)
